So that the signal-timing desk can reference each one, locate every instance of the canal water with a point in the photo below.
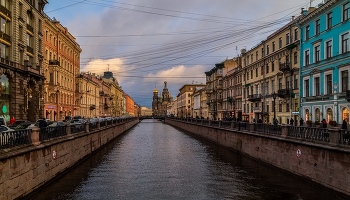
(157, 161)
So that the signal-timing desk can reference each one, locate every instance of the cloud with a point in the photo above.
(99, 66)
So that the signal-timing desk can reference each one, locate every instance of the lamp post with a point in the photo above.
(274, 96)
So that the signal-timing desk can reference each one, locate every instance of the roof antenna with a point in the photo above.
(108, 67)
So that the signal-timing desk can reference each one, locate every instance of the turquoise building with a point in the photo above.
(325, 62)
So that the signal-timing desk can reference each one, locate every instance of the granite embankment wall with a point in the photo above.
(325, 163)
(25, 168)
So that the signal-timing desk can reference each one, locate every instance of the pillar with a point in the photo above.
(35, 136)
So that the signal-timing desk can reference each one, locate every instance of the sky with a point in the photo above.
(145, 42)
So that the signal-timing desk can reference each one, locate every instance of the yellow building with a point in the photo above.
(87, 92)
(199, 103)
(146, 111)
(272, 67)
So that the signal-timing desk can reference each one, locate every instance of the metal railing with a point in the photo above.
(52, 132)
(344, 137)
(109, 122)
(15, 138)
(309, 133)
(77, 128)
(226, 124)
(215, 123)
(102, 124)
(92, 126)
(268, 129)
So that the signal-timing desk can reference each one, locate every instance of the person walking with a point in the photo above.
(292, 122)
(344, 125)
(12, 120)
(324, 123)
(301, 122)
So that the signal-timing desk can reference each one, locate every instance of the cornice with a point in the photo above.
(317, 11)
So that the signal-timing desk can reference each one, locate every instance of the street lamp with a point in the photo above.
(274, 96)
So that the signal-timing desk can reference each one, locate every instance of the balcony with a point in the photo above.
(30, 28)
(106, 106)
(54, 62)
(283, 93)
(219, 100)
(254, 97)
(92, 107)
(30, 50)
(229, 99)
(209, 91)
(5, 11)
(5, 37)
(285, 67)
(219, 87)
(102, 93)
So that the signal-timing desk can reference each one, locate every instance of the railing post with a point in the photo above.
(285, 130)
(87, 127)
(98, 125)
(209, 122)
(35, 136)
(251, 127)
(68, 130)
(220, 122)
(106, 123)
(232, 124)
(334, 136)
(202, 121)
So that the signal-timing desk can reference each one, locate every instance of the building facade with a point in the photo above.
(325, 62)
(116, 94)
(105, 98)
(21, 70)
(129, 105)
(146, 111)
(199, 103)
(61, 64)
(272, 67)
(159, 103)
(184, 102)
(88, 93)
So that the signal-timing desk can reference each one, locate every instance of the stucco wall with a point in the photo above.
(25, 169)
(324, 164)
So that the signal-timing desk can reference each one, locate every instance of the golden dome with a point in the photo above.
(155, 90)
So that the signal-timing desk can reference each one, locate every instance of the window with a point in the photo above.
(256, 72)
(267, 69)
(295, 82)
(247, 75)
(20, 10)
(346, 11)
(280, 107)
(30, 60)
(262, 89)
(21, 33)
(262, 52)
(21, 57)
(189, 101)
(40, 26)
(267, 108)
(317, 53)
(345, 80)
(329, 84)
(307, 58)
(262, 70)
(307, 32)
(247, 60)
(267, 87)
(51, 77)
(287, 107)
(296, 34)
(280, 43)
(273, 66)
(273, 46)
(272, 86)
(251, 58)
(329, 49)
(318, 25)
(267, 50)
(307, 88)
(287, 38)
(295, 57)
(5, 51)
(345, 42)
(317, 86)
(251, 74)
(329, 20)
(257, 55)
(280, 84)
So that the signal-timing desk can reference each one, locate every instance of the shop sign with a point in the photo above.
(251, 113)
(51, 107)
(295, 112)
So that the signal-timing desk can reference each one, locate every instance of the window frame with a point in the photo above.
(317, 27)
(329, 21)
(325, 82)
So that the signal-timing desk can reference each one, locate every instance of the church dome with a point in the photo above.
(155, 90)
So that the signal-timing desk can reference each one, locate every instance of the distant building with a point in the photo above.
(159, 104)
(184, 99)
(146, 111)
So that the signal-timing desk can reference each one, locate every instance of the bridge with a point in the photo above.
(151, 117)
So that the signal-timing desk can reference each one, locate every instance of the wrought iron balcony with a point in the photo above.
(30, 28)
(5, 11)
(92, 107)
(283, 93)
(254, 97)
(106, 106)
(5, 37)
(30, 50)
(209, 91)
(219, 87)
(285, 67)
(54, 62)
(102, 93)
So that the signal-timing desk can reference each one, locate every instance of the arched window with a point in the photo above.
(307, 115)
(346, 115)
(317, 115)
(329, 115)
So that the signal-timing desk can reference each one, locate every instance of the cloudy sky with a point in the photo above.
(145, 42)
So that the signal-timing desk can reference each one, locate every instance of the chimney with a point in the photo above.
(293, 17)
(311, 9)
(303, 12)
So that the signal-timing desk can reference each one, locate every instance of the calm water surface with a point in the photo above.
(157, 161)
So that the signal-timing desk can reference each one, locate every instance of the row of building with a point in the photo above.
(299, 72)
(40, 70)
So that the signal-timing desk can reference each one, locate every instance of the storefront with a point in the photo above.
(5, 97)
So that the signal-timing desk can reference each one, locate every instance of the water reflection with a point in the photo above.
(157, 161)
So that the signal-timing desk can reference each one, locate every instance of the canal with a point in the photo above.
(157, 161)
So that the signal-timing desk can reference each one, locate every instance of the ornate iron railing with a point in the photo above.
(214, 123)
(77, 128)
(30, 28)
(92, 126)
(15, 138)
(5, 11)
(30, 50)
(344, 137)
(309, 133)
(268, 129)
(226, 124)
(52, 132)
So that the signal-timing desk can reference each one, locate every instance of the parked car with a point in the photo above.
(16, 123)
(59, 123)
(5, 129)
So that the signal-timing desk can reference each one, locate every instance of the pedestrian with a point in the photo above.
(344, 125)
(292, 122)
(12, 120)
(301, 121)
(324, 123)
